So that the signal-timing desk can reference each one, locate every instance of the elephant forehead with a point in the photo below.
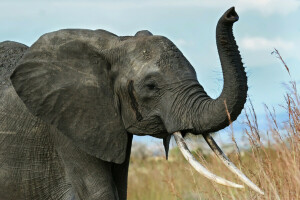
(172, 60)
(141, 69)
(171, 57)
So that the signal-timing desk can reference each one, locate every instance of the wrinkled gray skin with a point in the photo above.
(75, 98)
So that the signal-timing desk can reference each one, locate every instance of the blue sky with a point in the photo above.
(263, 26)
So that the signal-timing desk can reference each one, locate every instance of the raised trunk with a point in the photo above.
(211, 114)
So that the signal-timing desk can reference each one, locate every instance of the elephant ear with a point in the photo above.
(66, 83)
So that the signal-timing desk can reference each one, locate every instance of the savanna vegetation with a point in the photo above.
(271, 161)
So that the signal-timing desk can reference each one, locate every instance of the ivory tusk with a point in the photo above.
(202, 170)
(213, 145)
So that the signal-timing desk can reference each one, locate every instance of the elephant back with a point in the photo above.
(10, 54)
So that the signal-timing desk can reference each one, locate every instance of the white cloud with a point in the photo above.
(261, 43)
(256, 51)
(265, 7)
(268, 7)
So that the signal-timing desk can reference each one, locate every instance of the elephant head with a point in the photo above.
(96, 87)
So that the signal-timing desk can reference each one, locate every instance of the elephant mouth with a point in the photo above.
(206, 173)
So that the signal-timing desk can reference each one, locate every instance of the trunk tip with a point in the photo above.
(230, 15)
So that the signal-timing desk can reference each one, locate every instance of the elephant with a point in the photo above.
(71, 103)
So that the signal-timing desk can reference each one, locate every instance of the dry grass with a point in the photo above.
(272, 162)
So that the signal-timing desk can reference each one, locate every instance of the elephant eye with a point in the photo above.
(151, 86)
